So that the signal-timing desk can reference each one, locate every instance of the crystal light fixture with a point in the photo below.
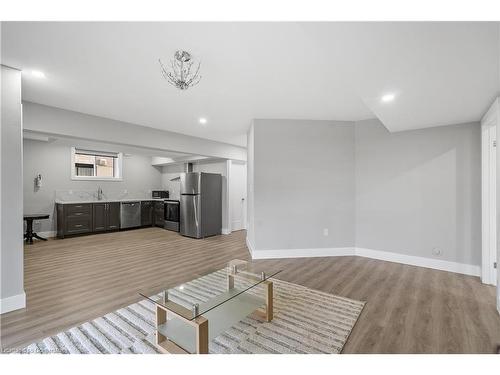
(181, 75)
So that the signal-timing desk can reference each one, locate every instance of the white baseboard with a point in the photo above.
(237, 225)
(437, 264)
(13, 303)
(302, 253)
(225, 231)
(250, 247)
(47, 234)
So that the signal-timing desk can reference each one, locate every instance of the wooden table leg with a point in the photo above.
(268, 285)
(161, 318)
(201, 335)
(230, 282)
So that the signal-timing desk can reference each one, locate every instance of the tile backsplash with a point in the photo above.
(88, 195)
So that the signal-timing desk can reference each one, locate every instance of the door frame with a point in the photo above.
(242, 200)
(488, 194)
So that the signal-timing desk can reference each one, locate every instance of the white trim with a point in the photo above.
(118, 171)
(47, 234)
(225, 231)
(302, 253)
(250, 247)
(236, 225)
(488, 194)
(13, 303)
(437, 264)
(90, 178)
(227, 203)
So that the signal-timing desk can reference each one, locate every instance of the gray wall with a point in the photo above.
(52, 160)
(11, 184)
(60, 122)
(168, 173)
(419, 190)
(303, 182)
(415, 192)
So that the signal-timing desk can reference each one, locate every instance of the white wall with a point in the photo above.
(301, 182)
(12, 294)
(52, 160)
(419, 192)
(60, 122)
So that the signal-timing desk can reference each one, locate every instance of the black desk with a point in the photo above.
(28, 236)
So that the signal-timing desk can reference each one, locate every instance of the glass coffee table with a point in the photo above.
(188, 327)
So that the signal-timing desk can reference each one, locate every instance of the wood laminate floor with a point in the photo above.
(409, 309)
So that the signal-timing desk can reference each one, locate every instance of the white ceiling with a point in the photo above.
(441, 73)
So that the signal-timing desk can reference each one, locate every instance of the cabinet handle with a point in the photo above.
(79, 206)
(78, 225)
(78, 213)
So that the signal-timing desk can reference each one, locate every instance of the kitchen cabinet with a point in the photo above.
(74, 219)
(87, 218)
(159, 214)
(146, 213)
(99, 212)
(114, 216)
(106, 216)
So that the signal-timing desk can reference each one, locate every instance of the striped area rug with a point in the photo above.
(305, 321)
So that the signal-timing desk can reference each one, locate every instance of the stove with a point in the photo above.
(172, 214)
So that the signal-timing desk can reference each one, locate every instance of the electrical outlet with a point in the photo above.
(436, 251)
(325, 232)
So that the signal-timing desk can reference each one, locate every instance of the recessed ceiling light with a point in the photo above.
(388, 98)
(203, 120)
(37, 74)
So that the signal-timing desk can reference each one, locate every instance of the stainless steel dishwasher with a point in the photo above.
(130, 215)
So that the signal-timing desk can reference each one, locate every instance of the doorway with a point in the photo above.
(238, 195)
(489, 205)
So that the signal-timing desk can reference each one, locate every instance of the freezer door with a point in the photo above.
(191, 183)
(190, 216)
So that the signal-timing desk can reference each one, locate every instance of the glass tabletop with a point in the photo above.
(238, 277)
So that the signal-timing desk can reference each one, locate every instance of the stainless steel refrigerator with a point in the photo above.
(201, 204)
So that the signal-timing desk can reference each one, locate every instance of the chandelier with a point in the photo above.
(181, 75)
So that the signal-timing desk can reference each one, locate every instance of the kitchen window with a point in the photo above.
(95, 165)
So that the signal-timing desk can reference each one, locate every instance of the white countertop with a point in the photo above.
(58, 201)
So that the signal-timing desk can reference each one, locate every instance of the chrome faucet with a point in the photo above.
(99, 193)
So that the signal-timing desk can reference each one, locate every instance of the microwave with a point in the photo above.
(160, 194)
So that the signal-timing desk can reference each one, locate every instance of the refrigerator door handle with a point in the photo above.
(195, 214)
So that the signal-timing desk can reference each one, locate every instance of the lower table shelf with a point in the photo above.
(219, 319)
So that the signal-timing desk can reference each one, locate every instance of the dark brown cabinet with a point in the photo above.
(86, 218)
(146, 213)
(74, 219)
(159, 214)
(99, 211)
(106, 216)
(114, 216)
